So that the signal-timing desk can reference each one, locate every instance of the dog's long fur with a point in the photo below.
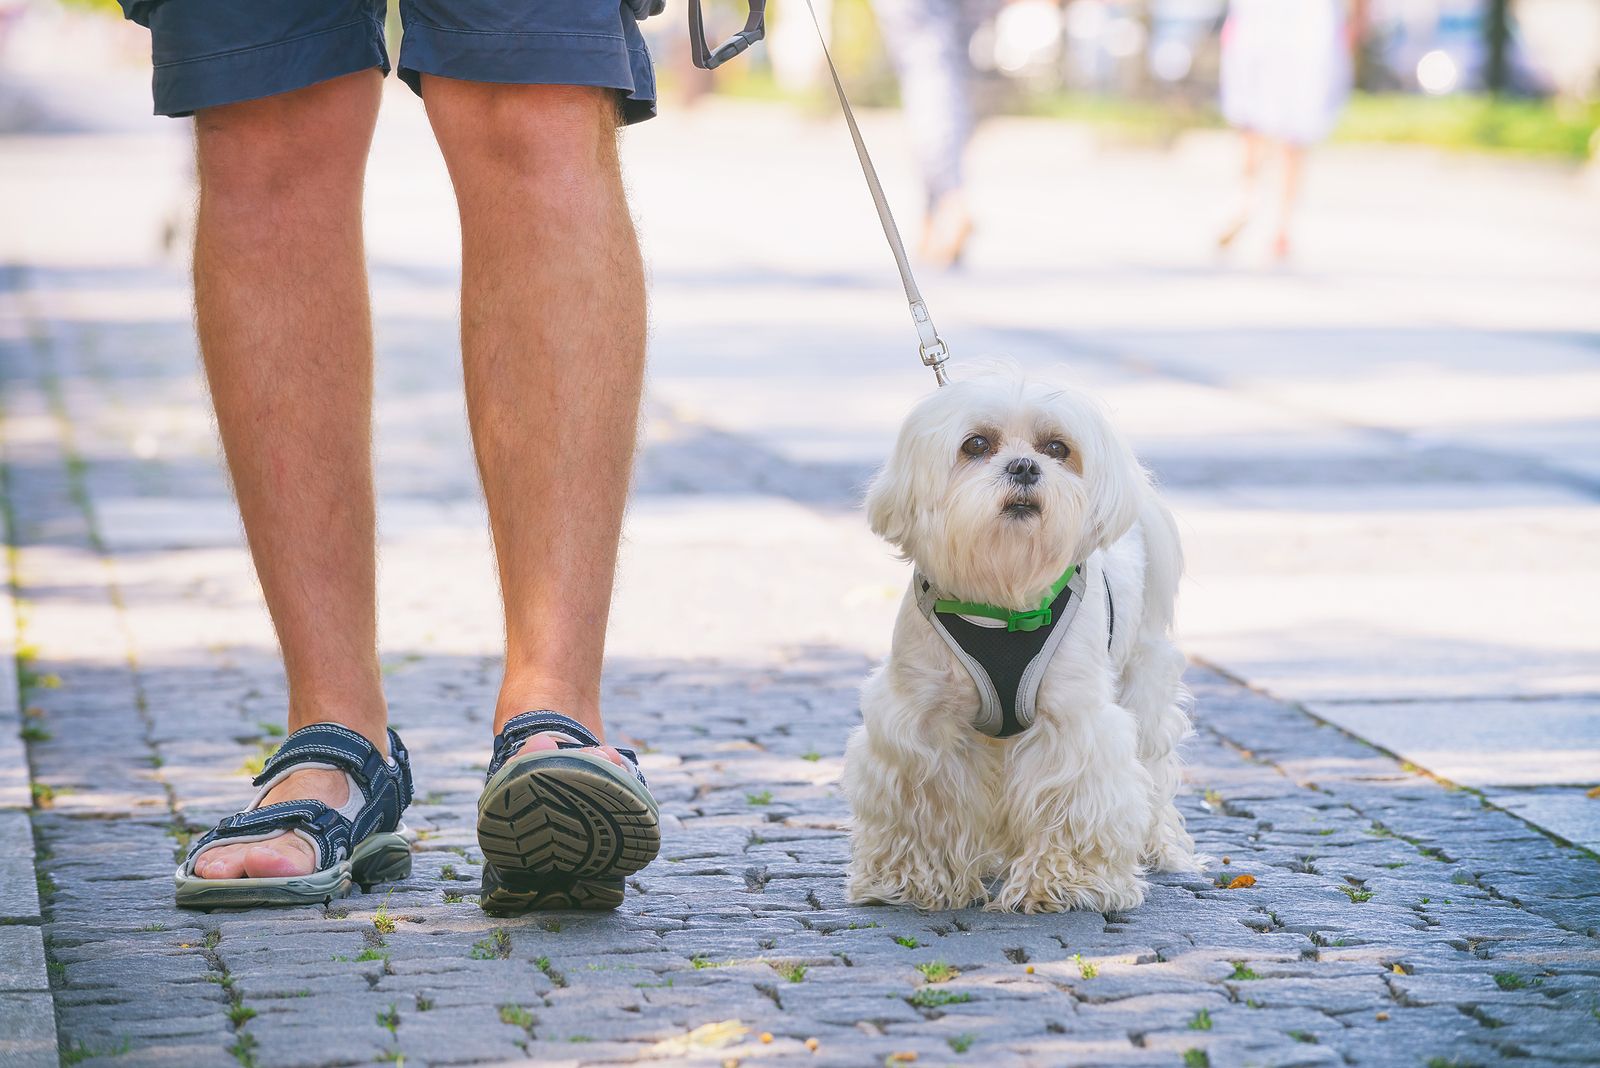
(1072, 812)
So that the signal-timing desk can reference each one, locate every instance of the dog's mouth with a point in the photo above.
(1021, 508)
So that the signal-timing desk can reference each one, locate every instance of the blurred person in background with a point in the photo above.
(1286, 70)
(927, 43)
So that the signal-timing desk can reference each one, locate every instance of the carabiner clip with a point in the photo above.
(755, 28)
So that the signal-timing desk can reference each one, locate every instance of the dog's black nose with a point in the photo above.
(1023, 471)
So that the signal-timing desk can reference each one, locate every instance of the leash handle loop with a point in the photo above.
(707, 58)
(931, 347)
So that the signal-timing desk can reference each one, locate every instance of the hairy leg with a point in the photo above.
(286, 337)
(1077, 813)
(553, 337)
(923, 795)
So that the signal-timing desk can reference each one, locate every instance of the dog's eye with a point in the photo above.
(1056, 450)
(976, 445)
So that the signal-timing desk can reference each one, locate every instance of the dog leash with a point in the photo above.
(931, 346)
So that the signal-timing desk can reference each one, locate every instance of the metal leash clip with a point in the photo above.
(755, 28)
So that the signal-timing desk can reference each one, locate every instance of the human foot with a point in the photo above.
(552, 740)
(328, 817)
(287, 853)
(563, 819)
(520, 693)
(946, 230)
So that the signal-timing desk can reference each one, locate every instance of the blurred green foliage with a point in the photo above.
(1559, 128)
(1562, 129)
(108, 7)
(1127, 118)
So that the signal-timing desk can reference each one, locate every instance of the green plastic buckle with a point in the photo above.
(1028, 621)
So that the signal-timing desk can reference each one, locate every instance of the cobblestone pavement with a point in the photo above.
(1393, 920)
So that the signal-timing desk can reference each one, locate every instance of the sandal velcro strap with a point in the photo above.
(331, 831)
(519, 729)
(385, 786)
(324, 743)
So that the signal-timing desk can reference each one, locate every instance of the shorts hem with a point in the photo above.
(605, 61)
(185, 86)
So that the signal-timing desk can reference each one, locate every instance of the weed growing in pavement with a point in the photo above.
(496, 946)
(516, 1016)
(74, 1052)
(929, 997)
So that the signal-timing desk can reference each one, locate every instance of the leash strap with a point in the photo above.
(931, 346)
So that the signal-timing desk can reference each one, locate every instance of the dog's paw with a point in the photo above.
(1043, 889)
(1177, 859)
(930, 895)
(1170, 848)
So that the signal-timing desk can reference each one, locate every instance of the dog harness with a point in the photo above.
(1006, 652)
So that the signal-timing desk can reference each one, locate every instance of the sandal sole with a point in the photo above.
(498, 898)
(560, 830)
(380, 858)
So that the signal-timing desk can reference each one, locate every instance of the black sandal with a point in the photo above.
(559, 828)
(371, 848)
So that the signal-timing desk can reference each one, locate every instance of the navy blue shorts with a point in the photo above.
(210, 52)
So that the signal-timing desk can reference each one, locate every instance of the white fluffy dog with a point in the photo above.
(995, 487)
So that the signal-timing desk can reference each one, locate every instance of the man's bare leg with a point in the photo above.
(286, 335)
(553, 335)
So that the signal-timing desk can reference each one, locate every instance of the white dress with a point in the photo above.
(1285, 67)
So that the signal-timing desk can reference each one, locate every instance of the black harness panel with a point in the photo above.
(1009, 659)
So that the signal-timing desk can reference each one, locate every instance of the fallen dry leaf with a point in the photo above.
(1398, 970)
(1239, 882)
(1595, 793)
(706, 1036)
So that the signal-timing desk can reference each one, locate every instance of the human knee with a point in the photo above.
(550, 140)
(262, 154)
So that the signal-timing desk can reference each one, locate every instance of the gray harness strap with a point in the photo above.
(1006, 667)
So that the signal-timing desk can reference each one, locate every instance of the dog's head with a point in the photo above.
(997, 483)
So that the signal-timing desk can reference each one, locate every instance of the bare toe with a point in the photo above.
(223, 862)
(541, 742)
(286, 855)
(538, 743)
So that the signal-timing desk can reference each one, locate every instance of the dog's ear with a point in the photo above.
(1117, 483)
(891, 499)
